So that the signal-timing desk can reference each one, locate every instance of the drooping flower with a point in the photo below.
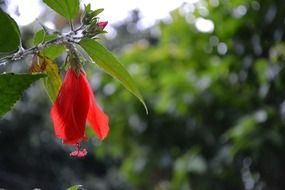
(74, 105)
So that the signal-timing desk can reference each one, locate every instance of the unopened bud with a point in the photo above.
(102, 24)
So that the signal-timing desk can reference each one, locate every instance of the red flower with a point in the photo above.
(102, 24)
(74, 105)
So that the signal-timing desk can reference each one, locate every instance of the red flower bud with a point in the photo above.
(74, 105)
(102, 24)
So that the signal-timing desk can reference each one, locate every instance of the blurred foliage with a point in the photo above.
(216, 110)
(216, 101)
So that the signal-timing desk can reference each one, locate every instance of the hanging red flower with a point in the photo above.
(74, 105)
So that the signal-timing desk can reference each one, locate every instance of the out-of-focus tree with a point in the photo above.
(216, 101)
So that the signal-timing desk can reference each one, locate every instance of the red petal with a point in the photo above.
(96, 117)
(70, 109)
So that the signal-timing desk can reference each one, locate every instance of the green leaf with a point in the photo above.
(87, 7)
(97, 12)
(52, 51)
(75, 187)
(83, 53)
(66, 8)
(11, 88)
(111, 65)
(39, 37)
(9, 33)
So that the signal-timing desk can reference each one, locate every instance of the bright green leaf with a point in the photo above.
(9, 33)
(52, 51)
(39, 37)
(87, 7)
(66, 8)
(111, 65)
(12, 87)
(75, 187)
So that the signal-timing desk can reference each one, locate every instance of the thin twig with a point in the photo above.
(68, 38)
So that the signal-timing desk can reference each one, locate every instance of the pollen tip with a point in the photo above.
(78, 153)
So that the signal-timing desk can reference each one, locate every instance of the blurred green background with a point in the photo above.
(216, 108)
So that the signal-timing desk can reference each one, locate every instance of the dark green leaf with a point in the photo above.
(66, 8)
(9, 33)
(11, 88)
(111, 65)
